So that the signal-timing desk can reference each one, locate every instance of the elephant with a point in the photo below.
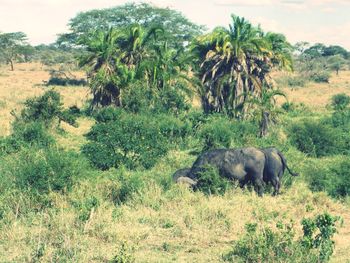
(243, 164)
(248, 164)
(274, 168)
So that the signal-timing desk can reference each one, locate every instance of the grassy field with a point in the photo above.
(176, 225)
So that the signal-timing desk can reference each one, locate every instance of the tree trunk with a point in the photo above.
(11, 64)
(264, 124)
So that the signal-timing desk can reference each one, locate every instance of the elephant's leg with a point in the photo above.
(276, 185)
(259, 186)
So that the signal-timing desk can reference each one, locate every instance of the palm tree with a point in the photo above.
(105, 72)
(112, 60)
(235, 63)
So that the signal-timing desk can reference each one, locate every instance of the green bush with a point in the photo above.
(216, 134)
(46, 109)
(137, 99)
(340, 101)
(132, 141)
(108, 114)
(341, 119)
(33, 134)
(320, 76)
(124, 255)
(296, 81)
(280, 245)
(332, 178)
(317, 139)
(221, 132)
(210, 182)
(318, 233)
(171, 100)
(140, 99)
(85, 207)
(129, 184)
(173, 128)
(41, 171)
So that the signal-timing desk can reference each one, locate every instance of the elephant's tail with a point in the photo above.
(284, 161)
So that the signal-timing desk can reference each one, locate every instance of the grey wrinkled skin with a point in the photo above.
(275, 166)
(181, 177)
(243, 164)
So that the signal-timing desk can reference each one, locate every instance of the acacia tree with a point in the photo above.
(11, 46)
(83, 26)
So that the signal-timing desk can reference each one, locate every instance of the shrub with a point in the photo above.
(133, 140)
(129, 184)
(138, 99)
(318, 233)
(173, 128)
(216, 134)
(45, 170)
(341, 119)
(210, 182)
(332, 178)
(46, 109)
(268, 245)
(55, 81)
(316, 139)
(296, 81)
(320, 76)
(171, 100)
(340, 101)
(124, 255)
(222, 132)
(85, 207)
(108, 114)
(295, 109)
(33, 134)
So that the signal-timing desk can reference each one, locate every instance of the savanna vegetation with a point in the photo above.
(89, 147)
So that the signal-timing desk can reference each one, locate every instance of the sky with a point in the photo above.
(314, 21)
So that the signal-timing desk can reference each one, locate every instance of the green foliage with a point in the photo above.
(11, 46)
(229, 78)
(46, 109)
(216, 134)
(85, 207)
(84, 24)
(295, 109)
(321, 240)
(42, 171)
(171, 101)
(268, 245)
(108, 114)
(56, 81)
(297, 81)
(140, 99)
(340, 101)
(132, 140)
(320, 76)
(25, 135)
(137, 99)
(124, 255)
(210, 182)
(332, 178)
(173, 128)
(50, 55)
(129, 185)
(317, 139)
(221, 132)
